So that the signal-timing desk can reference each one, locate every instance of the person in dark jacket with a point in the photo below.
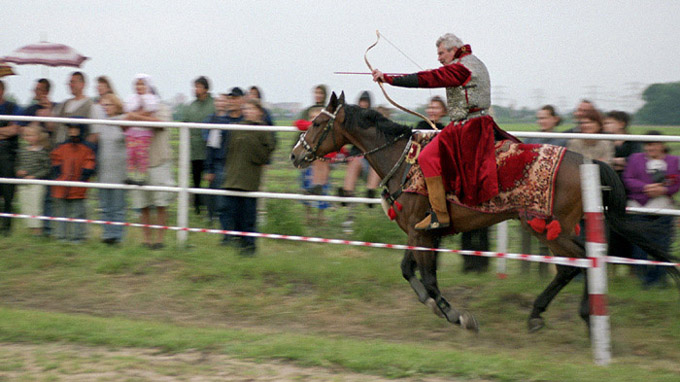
(247, 153)
(9, 144)
(652, 178)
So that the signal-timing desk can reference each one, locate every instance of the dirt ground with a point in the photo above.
(67, 362)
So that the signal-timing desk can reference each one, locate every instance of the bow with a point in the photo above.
(382, 87)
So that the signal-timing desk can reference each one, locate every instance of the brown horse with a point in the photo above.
(383, 143)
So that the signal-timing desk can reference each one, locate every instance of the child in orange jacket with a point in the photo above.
(73, 160)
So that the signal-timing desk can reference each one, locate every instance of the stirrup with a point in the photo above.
(434, 225)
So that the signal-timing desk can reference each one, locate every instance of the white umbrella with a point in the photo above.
(46, 53)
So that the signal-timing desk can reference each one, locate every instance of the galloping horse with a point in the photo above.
(384, 144)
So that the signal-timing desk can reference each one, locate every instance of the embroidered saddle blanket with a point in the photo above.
(526, 178)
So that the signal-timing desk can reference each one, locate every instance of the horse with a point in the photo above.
(384, 144)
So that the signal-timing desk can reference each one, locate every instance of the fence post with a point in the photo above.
(596, 248)
(183, 175)
(502, 247)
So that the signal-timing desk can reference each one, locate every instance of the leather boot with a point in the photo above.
(439, 216)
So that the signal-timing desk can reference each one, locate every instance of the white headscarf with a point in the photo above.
(148, 101)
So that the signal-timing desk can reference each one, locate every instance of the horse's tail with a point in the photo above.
(614, 199)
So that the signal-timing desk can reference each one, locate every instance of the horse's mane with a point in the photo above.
(365, 118)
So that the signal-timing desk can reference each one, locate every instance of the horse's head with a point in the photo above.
(323, 136)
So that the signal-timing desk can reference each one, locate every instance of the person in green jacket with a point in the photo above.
(198, 111)
(247, 154)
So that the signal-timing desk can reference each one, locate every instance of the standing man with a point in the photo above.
(217, 172)
(9, 144)
(42, 105)
(78, 106)
(461, 158)
(200, 109)
(227, 111)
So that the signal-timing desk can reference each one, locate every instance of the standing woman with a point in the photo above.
(255, 93)
(602, 150)
(547, 119)
(616, 122)
(436, 110)
(652, 178)
(104, 87)
(111, 168)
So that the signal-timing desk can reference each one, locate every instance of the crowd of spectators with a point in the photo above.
(649, 172)
(234, 160)
(129, 155)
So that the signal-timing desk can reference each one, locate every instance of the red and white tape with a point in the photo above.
(575, 262)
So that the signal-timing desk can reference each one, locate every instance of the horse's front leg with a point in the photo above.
(426, 261)
(408, 271)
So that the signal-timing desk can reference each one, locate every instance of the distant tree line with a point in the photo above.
(662, 105)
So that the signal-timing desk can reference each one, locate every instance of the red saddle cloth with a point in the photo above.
(526, 179)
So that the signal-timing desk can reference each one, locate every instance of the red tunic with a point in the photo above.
(463, 152)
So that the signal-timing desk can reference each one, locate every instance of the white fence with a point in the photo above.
(183, 190)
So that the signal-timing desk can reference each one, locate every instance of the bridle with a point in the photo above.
(311, 155)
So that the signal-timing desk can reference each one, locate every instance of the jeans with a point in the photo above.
(70, 208)
(212, 201)
(112, 203)
(662, 235)
(238, 214)
(48, 204)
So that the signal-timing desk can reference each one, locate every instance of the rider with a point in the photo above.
(460, 159)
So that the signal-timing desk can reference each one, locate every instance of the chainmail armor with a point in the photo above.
(478, 91)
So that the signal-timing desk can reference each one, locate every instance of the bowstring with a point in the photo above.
(405, 55)
(400, 51)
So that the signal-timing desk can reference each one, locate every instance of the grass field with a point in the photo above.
(329, 312)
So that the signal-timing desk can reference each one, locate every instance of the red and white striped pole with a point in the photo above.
(502, 247)
(596, 250)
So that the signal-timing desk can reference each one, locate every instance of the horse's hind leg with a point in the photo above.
(563, 246)
(564, 275)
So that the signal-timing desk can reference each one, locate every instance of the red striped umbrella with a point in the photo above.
(6, 70)
(46, 53)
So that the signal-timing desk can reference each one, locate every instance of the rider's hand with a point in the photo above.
(378, 76)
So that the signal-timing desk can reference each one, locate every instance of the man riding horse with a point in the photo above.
(460, 159)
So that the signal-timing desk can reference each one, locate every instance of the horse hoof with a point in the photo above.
(435, 309)
(535, 324)
(469, 322)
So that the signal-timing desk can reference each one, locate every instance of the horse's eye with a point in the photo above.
(315, 124)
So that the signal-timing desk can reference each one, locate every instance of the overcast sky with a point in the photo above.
(536, 51)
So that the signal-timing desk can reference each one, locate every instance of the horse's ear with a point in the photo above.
(342, 97)
(334, 100)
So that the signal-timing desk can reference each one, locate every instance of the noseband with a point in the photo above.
(311, 155)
